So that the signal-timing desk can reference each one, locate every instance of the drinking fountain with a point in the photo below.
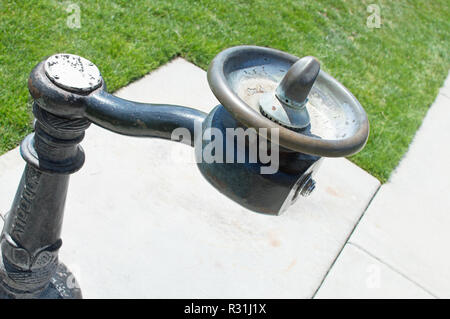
(272, 105)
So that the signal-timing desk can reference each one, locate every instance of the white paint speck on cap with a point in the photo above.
(72, 72)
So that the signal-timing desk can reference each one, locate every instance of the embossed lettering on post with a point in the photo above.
(32, 177)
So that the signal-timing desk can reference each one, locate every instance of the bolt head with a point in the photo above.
(73, 73)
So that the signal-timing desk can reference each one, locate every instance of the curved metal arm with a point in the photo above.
(140, 119)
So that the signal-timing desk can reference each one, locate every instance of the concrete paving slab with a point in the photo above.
(141, 222)
(407, 224)
(356, 274)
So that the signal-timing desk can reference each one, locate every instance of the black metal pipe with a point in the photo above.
(140, 119)
(30, 240)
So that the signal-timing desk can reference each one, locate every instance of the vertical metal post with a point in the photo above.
(31, 235)
(30, 240)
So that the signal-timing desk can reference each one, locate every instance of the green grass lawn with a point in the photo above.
(395, 71)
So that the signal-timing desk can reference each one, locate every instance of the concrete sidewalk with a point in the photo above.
(405, 232)
(140, 224)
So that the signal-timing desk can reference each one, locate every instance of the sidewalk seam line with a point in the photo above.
(346, 241)
(393, 269)
(444, 94)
